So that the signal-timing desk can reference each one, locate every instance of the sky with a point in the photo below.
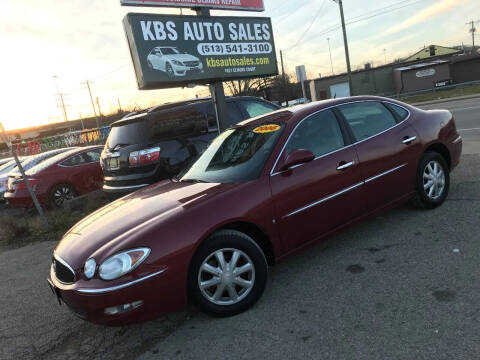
(79, 40)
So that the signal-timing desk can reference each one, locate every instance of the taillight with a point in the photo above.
(20, 184)
(144, 157)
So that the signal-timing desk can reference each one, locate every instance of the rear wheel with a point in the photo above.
(61, 193)
(228, 274)
(433, 181)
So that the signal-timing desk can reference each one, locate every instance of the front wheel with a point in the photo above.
(433, 181)
(228, 274)
(170, 72)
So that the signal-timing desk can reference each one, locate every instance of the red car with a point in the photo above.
(262, 191)
(59, 178)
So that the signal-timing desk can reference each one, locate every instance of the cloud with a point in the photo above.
(428, 13)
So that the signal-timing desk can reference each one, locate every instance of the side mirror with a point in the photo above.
(296, 157)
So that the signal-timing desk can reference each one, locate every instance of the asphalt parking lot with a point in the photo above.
(404, 285)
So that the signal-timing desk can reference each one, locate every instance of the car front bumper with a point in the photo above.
(90, 299)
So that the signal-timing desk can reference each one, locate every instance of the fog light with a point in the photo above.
(120, 309)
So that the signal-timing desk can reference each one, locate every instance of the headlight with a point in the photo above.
(122, 263)
(177, 63)
(89, 268)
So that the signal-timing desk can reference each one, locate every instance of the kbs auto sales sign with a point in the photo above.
(249, 5)
(172, 51)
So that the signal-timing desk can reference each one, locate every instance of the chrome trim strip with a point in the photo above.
(345, 147)
(384, 173)
(457, 139)
(118, 287)
(64, 263)
(106, 187)
(341, 192)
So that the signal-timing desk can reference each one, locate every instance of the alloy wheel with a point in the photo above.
(434, 180)
(61, 194)
(226, 277)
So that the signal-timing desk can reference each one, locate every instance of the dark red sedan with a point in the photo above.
(59, 178)
(261, 192)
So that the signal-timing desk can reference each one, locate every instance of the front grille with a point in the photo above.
(191, 63)
(63, 273)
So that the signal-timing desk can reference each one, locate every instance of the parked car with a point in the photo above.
(4, 161)
(172, 61)
(59, 178)
(4, 170)
(261, 192)
(158, 143)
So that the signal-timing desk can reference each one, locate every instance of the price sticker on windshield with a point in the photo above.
(264, 129)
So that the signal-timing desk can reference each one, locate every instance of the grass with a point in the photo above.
(20, 227)
(443, 94)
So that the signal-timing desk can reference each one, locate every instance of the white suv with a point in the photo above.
(171, 61)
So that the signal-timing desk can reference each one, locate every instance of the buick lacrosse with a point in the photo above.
(261, 192)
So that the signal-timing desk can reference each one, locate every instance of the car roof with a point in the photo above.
(62, 156)
(135, 116)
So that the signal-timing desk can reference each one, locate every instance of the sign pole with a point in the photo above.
(27, 182)
(216, 90)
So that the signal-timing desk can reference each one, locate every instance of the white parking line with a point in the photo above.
(469, 129)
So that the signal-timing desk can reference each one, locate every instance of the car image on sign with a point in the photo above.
(171, 61)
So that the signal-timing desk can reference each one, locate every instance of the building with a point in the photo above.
(400, 78)
(433, 51)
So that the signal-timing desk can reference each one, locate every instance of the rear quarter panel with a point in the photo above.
(437, 126)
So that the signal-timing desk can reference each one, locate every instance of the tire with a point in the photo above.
(216, 299)
(429, 197)
(170, 72)
(61, 193)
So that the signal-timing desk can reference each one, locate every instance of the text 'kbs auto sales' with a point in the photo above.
(171, 51)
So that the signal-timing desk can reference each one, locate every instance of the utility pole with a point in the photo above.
(91, 99)
(60, 95)
(25, 178)
(217, 91)
(473, 30)
(385, 55)
(284, 80)
(119, 105)
(345, 41)
(330, 51)
(99, 109)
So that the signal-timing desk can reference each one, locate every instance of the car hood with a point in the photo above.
(128, 217)
(182, 57)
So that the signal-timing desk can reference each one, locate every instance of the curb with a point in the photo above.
(447, 100)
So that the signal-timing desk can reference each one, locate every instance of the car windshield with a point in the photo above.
(7, 166)
(236, 155)
(169, 51)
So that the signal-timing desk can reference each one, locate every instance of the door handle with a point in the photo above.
(344, 165)
(408, 140)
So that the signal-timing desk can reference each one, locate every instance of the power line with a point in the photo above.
(368, 15)
(308, 27)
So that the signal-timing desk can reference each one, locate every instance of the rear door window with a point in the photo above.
(183, 122)
(398, 110)
(367, 119)
(234, 113)
(257, 108)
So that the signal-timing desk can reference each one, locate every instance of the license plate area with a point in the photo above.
(113, 163)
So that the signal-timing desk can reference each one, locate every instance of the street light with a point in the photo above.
(347, 55)
(330, 51)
